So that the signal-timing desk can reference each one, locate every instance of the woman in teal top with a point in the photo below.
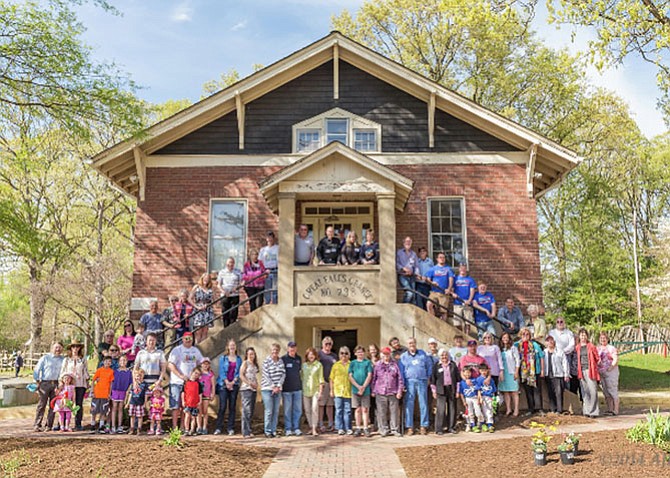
(311, 374)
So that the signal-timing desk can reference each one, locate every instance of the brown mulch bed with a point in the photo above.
(503, 422)
(607, 454)
(102, 458)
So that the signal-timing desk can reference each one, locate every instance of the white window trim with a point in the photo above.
(355, 122)
(430, 226)
(209, 227)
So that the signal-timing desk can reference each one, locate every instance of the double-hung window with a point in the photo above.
(446, 223)
(227, 232)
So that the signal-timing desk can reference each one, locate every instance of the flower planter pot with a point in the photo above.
(540, 458)
(568, 457)
(576, 448)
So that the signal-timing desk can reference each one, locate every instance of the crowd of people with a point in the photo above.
(375, 390)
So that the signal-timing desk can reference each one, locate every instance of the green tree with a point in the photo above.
(48, 70)
(623, 28)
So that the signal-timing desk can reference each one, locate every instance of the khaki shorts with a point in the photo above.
(464, 310)
(358, 401)
(441, 299)
(325, 400)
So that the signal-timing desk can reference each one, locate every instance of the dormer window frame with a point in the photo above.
(318, 123)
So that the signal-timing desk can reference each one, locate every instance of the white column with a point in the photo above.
(386, 234)
(286, 248)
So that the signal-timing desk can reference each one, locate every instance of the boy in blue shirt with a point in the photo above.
(469, 392)
(487, 391)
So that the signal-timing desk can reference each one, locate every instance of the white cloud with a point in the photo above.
(239, 25)
(182, 13)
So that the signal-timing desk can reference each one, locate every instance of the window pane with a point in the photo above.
(308, 140)
(446, 229)
(336, 130)
(365, 140)
(227, 233)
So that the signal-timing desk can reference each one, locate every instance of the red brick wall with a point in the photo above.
(172, 223)
(502, 233)
(502, 237)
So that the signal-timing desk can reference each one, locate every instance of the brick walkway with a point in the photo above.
(334, 456)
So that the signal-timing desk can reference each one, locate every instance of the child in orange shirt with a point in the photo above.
(102, 388)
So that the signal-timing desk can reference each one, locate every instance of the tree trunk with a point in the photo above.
(37, 306)
(99, 288)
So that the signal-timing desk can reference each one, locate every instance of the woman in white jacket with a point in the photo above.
(556, 374)
(509, 376)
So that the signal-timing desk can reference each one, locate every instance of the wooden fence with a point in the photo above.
(651, 339)
(29, 360)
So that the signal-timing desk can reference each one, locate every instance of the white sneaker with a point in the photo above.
(288, 433)
(297, 433)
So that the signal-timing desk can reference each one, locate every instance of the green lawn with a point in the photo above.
(644, 372)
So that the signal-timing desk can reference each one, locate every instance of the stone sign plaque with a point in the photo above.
(336, 285)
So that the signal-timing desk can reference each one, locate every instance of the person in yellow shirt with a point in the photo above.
(102, 388)
(311, 374)
(340, 390)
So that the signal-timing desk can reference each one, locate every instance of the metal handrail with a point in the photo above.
(445, 309)
(220, 316)
(211, 304)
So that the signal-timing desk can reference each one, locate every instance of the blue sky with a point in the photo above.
(171, 48)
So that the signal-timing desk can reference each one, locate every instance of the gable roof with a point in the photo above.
(124, 162)
(402, 186)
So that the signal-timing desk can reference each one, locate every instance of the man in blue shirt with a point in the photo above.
(417, 368)
(422, 286)
(485, 310)
(407, 267)
(511, 317)
(464, 292)
(441, 279)
(46, 376)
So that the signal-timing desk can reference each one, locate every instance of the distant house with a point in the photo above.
(336, 134)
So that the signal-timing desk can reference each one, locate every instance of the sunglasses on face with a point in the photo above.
(343, 353)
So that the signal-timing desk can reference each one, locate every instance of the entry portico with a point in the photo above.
(330, 295)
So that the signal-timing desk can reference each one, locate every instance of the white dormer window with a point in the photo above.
(337, 125)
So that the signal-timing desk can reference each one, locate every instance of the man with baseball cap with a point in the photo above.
(182, 361)
(387, 386)
(291, 393)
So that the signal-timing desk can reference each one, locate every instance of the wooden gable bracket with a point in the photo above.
(431, 120)
(530, 170)
(141, 167)
(239, 108)
(336, 71)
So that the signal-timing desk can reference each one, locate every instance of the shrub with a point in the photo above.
(655, 430)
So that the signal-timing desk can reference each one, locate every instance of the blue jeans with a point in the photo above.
(424, 289)
(270, 294)
(407, 282)
(292, 410)
(227, 399)
(342, 413)
(271, 414)
(416, 387)
(483, 327)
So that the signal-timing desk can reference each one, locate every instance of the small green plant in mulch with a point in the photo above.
(173, 439)
(654, 429)
(16, 460)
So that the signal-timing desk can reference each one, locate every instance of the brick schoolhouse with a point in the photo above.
(335, 134)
